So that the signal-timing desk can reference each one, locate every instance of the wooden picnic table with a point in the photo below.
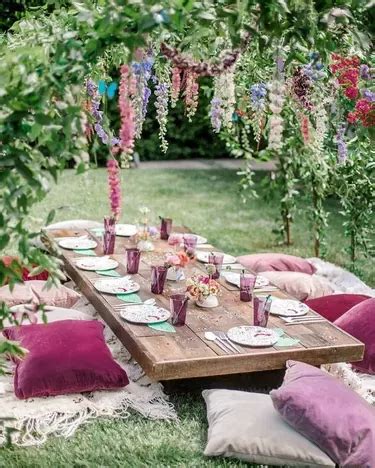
(185, 353)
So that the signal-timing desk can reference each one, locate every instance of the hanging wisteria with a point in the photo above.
(276, 102)
(142, 71)
(258, 101)
(191, 93)
(175, 86)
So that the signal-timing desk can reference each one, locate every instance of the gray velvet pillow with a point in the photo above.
(246, 426)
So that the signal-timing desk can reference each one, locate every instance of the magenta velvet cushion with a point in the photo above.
(359, 322)
(330, 414)
(70, 356)
(276, 262)
(335, 305)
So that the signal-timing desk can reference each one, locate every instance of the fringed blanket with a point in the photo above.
(37, 419)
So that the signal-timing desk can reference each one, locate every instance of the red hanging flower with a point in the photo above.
(114, 187)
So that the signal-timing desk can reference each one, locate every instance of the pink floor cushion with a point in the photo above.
(35, 291)
(64, 357)
(276, 262)
(359, 322)
(333, 306)
(299, 285)
(329, 413)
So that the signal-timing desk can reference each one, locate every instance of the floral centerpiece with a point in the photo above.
(204, 290)
(175, 263)
(146, 234)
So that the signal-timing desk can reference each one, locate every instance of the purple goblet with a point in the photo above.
(109, 235)
(190, 243)
(217, 261)
(178, 305)
(165, 228)
(247, 283)
(262, 305)
(158, 277)
(133, 256)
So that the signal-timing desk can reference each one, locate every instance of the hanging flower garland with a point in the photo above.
(216, 114)
(127, 92)
(142, 71)
(161, 104)
(276, 102)
(93, 106)
(191, 93)
(223, 103)
(183, 62)
(114, 187)
(258, 100)
(342, 149)
(176, 86)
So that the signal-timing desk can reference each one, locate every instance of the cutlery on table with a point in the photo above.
(302, 319)
(304, 322)
(223, 336)
(212, 337)
(127, 304)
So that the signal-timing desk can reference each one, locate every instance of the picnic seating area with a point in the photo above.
(187, 197)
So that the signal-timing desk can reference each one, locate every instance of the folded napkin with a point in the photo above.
(131, 298)
(87, 252)
(163, 326)
(113, 273)
(284, 341)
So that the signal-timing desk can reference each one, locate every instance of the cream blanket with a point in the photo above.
(37, 419)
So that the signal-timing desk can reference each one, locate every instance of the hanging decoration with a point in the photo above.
(258, 101)
(142, 71)
(126, 94)
(176, 86)
(276, 102)
(161, 104)
(114, 186)
(191, 93)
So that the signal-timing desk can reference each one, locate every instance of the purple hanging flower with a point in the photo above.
(258, 93)
(369, 95)
(364, 71)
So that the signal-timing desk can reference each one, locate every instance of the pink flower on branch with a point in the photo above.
(127, 92)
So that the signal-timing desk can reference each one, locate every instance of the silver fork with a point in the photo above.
(223, 336)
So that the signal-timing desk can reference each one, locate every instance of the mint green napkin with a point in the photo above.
(163, 326)
(279, 331)
(113, 273)
(87, 252)
(285, 341)
(132, 298)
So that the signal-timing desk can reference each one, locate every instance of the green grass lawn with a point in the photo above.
(209, 203)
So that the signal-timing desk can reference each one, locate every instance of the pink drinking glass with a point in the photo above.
(217, 261)
(175, 239)
(261, 307)
(178, 306)
(165, 228)
(158, 277)
(133, 256)
(247, 284)
(109, 235)
(190, 243)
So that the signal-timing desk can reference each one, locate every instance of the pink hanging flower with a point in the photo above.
(305, 129)
(127, 91)
(114, 187)
(176, 85)
(191, 93)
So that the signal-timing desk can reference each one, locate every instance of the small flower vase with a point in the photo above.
(145, 246)
(175, 274)
(208, 302)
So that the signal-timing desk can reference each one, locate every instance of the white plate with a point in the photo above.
(96, 263)
(77, 243)
(126, 230)
(253, 336)
(203, 257)
(288, 308)
(234, 278)
(145, 314)
(123, 285)
(200, 239)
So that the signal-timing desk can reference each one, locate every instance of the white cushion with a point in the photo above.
(246, 426)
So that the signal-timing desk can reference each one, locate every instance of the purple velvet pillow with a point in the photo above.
(276, 262)
(329, 413)
(360, 323)
(335, 305)
(70, 356)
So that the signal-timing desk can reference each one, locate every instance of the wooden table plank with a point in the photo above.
(186, 353)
